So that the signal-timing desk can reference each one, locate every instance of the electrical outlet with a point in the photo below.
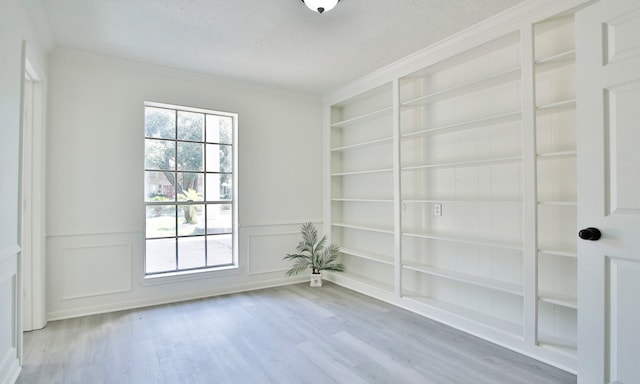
(437, 209)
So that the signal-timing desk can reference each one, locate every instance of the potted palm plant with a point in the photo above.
(313, 253)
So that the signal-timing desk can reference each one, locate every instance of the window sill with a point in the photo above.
(175, 277)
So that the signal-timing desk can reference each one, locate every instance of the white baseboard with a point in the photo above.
(494, 336)
(10, 368)
(147, 302)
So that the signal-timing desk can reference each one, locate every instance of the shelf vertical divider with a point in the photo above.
(529, 198)
(326, 174)
(397, 192)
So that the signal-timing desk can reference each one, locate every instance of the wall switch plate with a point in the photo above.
(437, 209)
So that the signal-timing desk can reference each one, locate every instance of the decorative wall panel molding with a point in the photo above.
(276, 245)
(96, 270)
(9, 252)
(9, 327)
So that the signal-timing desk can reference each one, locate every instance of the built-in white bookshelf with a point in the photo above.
(362, 199)
(461, 153)
(556, 195)
(453, 185)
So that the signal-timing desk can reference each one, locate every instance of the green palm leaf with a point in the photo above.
(313, 253)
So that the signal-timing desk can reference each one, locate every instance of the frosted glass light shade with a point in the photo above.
(320, 6)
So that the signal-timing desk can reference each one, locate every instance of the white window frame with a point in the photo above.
(186, 274)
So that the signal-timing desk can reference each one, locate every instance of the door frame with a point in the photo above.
(32, 195)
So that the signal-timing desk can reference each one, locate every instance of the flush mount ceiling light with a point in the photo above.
(320, 6)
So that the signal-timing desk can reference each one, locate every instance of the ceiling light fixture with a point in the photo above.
(320, 6)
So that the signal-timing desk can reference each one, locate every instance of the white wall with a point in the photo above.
(95, 212)
(17, 25)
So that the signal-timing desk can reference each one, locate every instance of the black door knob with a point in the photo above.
(590, 233)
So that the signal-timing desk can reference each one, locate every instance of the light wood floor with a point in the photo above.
(293, 334)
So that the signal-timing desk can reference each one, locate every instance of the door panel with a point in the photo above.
(622, 106)
(622, 36)
(608, 100)
(624, 277)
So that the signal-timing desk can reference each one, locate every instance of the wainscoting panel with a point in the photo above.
(9, 310)
(96, 270)
(103, 272)
(266, 251)
(91, 270)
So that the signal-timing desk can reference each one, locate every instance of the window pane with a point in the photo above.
(161, 221)
(190, 186)
(219, 187)
(219, 158)
(190, 126)
(219, 250)
(160, 255)
(190, 156)
(159, 154)
(191, 252)
(158, 187)
(190, 219)
(219, 129)
(219, 218)
(160, 123)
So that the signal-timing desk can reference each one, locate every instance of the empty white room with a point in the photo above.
(319, 191)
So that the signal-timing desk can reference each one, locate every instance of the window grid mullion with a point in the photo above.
(180, 205)
(204, 191)
(175, 192)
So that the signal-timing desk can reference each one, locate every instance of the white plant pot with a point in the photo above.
(316, 280)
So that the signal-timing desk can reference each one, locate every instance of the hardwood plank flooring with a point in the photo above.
(293, 334)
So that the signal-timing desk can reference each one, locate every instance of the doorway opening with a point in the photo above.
(32, 198)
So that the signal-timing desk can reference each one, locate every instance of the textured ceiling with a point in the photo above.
(272, 42)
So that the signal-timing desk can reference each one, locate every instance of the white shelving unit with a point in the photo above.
(554, 44)
(461, 140)
(453, 183)
(361, 191)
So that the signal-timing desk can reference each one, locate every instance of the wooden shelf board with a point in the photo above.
(559, 344)
(363, 118)
(556, 107)
(368, 256)
(558, 299)
(466, 125)
(463, 240)
(436, 201)
(558, 203)
(340, 200)
(479, 281)
(364, 281)
(365, 172)
(469, 314)
(362, 145)
(470, 163)
(557, 155)
(557, 252)
(482, 84)
(556, 61)
(363, 228)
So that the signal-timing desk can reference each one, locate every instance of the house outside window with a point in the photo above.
(190, 189)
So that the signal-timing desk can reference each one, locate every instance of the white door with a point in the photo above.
(608, 88)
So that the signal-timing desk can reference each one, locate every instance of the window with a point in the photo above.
(190, 189)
